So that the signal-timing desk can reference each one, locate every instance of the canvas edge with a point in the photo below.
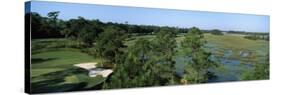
(27, 29)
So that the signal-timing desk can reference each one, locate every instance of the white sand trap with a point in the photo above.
(99, 71)
(93, 70)
(87, 66)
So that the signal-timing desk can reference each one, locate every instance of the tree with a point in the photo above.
(109, 43)
(197, 69)
(141, 67)
(83, 30)
(88, 34)
(165, 44)
(73, 27)
(133, 70)
(42, 27)
(36, 24)
(216, 32)
(164, 49)
(261, 71)
(53, 16)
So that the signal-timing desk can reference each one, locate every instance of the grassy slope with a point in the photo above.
(53, 71)
(57, 60)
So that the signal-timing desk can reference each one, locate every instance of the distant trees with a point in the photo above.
(197, 70)
(83, 30)
(53, 16)
(216, 32)
(36, 23)
(257, 37)
(109, 43)
(73, 27)
(43, 27)
(89, 34)
(53, 27)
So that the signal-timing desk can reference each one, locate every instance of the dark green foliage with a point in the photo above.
(135, 69)
(73, 27)
(216, 32)
(261, 71)
(36, 23)
(109, 43)
(164, 45)
(51, 26)
(147, 63)
(164, 48)
(197, 69)
(83, 30)
(89, 34)
(53, 19)
(257, 37)
(193, 41)
(43, 27)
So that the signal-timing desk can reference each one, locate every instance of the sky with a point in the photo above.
(153, 16)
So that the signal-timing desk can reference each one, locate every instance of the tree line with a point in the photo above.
(52, 27)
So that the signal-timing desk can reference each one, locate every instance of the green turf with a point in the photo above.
(53, 71)
(131, 40)
(60, 59)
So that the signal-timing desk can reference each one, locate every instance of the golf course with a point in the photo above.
(52, 67)
(110, 47)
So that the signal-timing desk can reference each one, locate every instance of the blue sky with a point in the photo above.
(152, 16)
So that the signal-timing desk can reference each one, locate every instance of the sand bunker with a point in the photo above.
(94, 70)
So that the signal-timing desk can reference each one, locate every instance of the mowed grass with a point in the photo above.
(54, 71)
(60, 59)
(132, 40)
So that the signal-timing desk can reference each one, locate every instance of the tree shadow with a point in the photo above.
(54, 81)
(50, 86)
(62, 74)
(40, 60)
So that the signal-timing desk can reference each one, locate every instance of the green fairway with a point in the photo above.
(54, 71)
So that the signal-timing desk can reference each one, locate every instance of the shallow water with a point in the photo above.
(230, 69)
